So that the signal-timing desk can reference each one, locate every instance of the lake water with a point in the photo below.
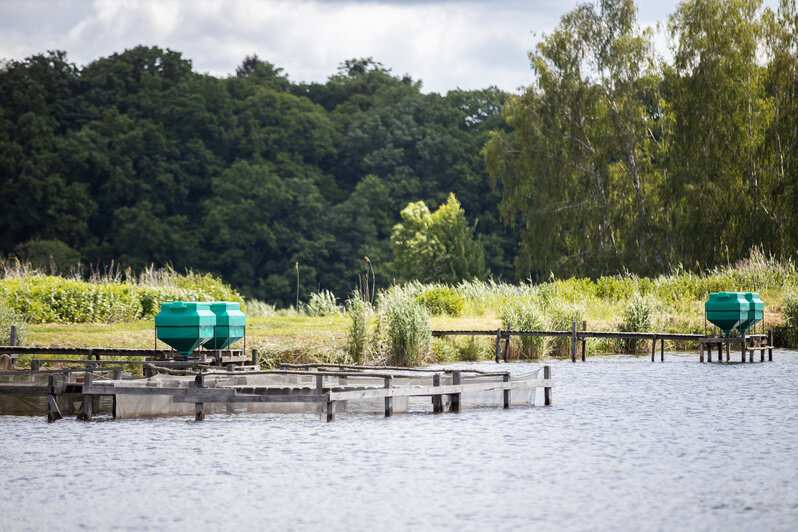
(627, 445)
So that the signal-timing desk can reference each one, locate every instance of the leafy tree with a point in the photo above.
(436, 247)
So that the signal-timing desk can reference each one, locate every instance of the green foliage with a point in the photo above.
(408, 330)
(52, 299)
(440, 301)
(357, 332)
(525, 315)
(322, 304)
(436, 247)
(8, 318)
(789, 307)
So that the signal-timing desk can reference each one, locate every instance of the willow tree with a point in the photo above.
(579, 168)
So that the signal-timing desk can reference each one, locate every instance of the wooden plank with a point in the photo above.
(322, 399)
(23, 389)
(448, 389)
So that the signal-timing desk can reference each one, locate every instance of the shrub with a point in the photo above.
(561, 318)
(442, 301)
(9, 318)
(526, 316)
(638, 316)
(322, 304)
(408, 330)
(357, 332)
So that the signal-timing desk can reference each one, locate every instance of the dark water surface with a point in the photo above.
(627, 445)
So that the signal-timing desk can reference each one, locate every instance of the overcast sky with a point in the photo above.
(448, 44)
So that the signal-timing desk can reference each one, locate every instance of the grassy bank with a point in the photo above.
(321, 331)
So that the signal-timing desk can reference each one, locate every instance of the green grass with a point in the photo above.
(672, 303)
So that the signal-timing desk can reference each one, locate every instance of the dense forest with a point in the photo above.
(613, 160)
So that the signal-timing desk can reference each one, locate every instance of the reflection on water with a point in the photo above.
(627, 444)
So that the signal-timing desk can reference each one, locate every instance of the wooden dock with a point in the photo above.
(329, 389)
(579, 340)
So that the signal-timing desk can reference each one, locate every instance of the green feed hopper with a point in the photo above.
(230, 324)
(756, 311)
(184, 326)
(726, 310)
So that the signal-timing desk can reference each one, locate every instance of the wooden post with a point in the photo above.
(742, 347)
(455, 397)
(217, 355)
(506, 378)
(498, 343)
(53, 414)
(388, 400)
(88, 400)
(437, 400)
(573, 341)
(547, 389)
(13, 341)
(507, 344)
(662, 350)
(34, 365)
(255, 358)
(762, 344)
(653, 349)
(331, 410)
(200, 407)
(117, 374)
(584, 340)
(770, 345)
(700, 352)
(720, 354)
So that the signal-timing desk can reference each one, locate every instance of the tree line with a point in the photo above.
(137, 159)
(618, 160)
(613, 160)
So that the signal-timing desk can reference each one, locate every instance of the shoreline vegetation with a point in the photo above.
(115, 309)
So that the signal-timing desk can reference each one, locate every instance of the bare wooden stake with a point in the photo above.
(506, 378)
(199, 410)
(455, 397)
(388, 400)
(255, 359)
(743, 347)
(507, 344)
(498, 343)
(331, 411)
(437, 400)
(584, 341)
(700, 352)
(547, 389)
(662, 350)
(770, 345)
(573, 341)
(53, 413)
(88, 400)
(13, 335)
(653, 349)
(720, 354)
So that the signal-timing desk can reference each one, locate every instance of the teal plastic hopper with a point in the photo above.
(184, 326)
(756, 312)
(230, 324)
(726, 310)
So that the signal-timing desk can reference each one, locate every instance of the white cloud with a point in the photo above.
(446, 44)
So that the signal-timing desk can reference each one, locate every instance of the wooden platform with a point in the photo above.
(579, 337)
(749, 344)
(333, 386)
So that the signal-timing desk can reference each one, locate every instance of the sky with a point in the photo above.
(447, 44)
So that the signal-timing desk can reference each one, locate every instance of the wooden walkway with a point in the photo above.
(333, 385)
(579, 338)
